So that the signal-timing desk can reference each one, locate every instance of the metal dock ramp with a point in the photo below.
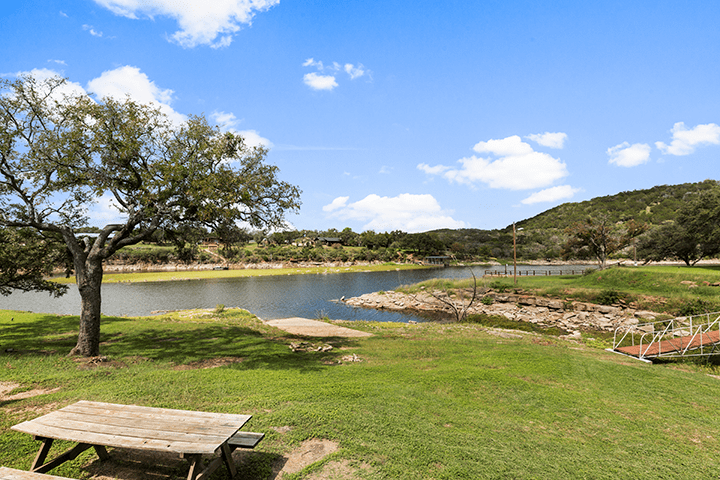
(697, 335)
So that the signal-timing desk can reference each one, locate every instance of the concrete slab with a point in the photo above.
(314, 328)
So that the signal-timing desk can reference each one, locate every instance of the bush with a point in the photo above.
(696, 306)
(499, 286)
(487, 300)
(608, 297)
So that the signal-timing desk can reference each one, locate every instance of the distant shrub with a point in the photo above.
(219, 308)
(499, 286)
(487, 300)
(696, 306)
(608, 297)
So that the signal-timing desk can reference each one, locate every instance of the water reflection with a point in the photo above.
(268, 297)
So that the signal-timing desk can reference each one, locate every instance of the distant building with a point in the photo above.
(328, 241)
(437, 260)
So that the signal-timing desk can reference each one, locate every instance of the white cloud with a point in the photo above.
(385, 169)
(320, 82)
(201, 22)
(310, 62)
(105, 211)
(68, 88)
(228, 121)
(317, 81)
(407, 212)
(547, 139)
(626, 155)
(130, 81)
(436, 170)
(518, 167)
(353, 71)
(92, 31)
(553, 194)
(685, 141)
(339, 202)
(253, 139)
(224, 120)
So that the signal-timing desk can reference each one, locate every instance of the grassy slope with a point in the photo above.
(427, 401)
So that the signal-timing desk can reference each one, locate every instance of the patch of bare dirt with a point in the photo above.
(7, 387)
(209, 363)
(86, 363)
(309, 452)
(342, 470)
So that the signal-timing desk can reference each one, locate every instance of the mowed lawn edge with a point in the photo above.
(434, 400)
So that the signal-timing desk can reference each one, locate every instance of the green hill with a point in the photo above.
(654, 206)
(542, 236)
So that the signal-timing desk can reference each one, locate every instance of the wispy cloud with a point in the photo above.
(201, 22)
(685, 141)
(547, 139)
(552, 194)
(227, 121)
(325, 78)
(90, 29)
(626, 155)
(517, 166)
(407, 212)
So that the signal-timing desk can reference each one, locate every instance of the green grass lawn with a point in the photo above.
(427, 401)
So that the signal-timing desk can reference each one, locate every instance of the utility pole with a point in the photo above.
(514, 257)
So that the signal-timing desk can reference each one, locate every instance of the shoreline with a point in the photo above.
(124, 273)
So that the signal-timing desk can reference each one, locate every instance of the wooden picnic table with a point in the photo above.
(99, 425)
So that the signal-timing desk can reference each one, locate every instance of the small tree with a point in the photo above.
(60, 152)
(459, 306)
(600, 237)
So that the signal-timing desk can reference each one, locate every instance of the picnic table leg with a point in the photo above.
(101, 452)
(60, 459)
(195, 466)
(42, 453)
(227, 458)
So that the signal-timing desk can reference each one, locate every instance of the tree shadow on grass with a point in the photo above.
(132, 340)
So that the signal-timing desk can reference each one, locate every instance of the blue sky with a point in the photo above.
(410, 115)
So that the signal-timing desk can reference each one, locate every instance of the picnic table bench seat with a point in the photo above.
(245, 440)
(13, 474)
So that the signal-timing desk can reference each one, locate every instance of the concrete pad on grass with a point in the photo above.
(314, 328)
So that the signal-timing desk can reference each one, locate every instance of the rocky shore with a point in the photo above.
(570, 316)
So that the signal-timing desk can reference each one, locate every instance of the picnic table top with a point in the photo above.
(132, 426)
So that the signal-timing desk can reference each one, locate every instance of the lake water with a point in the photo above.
(268, 297)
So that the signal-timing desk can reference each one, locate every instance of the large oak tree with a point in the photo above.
(60, 152)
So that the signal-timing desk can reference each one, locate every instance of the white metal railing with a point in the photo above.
(679, 337)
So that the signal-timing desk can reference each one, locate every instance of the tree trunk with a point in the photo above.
(89, 281)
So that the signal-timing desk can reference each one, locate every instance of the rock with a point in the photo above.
(525, 300)
(555, 305)
(645, 315)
